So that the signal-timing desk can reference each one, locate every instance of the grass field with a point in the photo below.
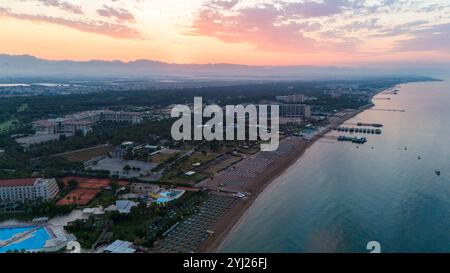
(23, 107)
(86, 154)
(222, 165)
(4, 126)
(176, 175)
(161, 158)
(196, 157)
(103, 198)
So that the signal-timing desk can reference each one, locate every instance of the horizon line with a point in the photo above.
(349, 65)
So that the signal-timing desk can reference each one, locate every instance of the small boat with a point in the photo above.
(437, 172)
(406, 148)
(419, 157)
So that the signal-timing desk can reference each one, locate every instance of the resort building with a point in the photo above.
(295, 110)
(62, 126)
(144, 188)
(127, 117)
(296, 98)
(28, 189)
(83, 121)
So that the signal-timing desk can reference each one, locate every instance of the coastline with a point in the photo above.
(225, 226)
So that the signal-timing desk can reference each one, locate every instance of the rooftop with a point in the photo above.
(119, 246)
(78, 122)
(24, 182)
(124, 206)
(17, 182)
(43, 123)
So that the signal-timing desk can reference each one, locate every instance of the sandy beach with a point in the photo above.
(227, 223)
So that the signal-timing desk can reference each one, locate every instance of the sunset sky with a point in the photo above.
(339, 32)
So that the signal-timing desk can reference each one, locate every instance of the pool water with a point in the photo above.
(34, 242)
(163, 200)
(166, 196)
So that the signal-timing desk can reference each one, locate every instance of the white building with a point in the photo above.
(84, 121)
(27, 189)
(296, 98)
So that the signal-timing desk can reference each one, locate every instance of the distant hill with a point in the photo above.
(25, 66)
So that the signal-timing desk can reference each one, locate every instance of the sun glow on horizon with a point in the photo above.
(219, 31)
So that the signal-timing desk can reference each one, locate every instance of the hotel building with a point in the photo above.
(84, 121)
(27, 189)
(296, 98)
(295, 110)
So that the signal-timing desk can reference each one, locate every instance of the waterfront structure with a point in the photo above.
(295, 110)
(27, 189)
(296, 98)
(83, 121)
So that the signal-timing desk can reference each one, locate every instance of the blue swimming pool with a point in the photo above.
(166, 196)
(163, 200)
(33, 242)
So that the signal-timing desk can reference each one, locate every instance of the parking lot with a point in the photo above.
(117, 167)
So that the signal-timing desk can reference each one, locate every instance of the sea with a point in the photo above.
(339, 196)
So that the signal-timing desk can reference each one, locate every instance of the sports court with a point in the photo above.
(86, 190)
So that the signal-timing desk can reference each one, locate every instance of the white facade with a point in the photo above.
(84, 121)
(296, 98)
(29, 189)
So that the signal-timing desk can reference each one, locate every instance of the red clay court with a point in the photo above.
(86, 190)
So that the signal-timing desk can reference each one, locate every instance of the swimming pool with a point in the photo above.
(163, 200)
(32, 242)
(166, 196)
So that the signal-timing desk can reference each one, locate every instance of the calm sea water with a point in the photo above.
(339, 196)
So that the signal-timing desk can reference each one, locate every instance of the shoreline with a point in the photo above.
(225, 226)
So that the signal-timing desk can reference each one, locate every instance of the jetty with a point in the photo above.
(376, 125)
(358, 139)
(359, 130)
(389, 110)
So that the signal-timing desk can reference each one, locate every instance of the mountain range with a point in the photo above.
(26, 66)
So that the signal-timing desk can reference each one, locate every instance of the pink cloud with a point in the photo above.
(98, 27)
(63, 6)
(267, 26)
(435, 38)
(119, 14)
